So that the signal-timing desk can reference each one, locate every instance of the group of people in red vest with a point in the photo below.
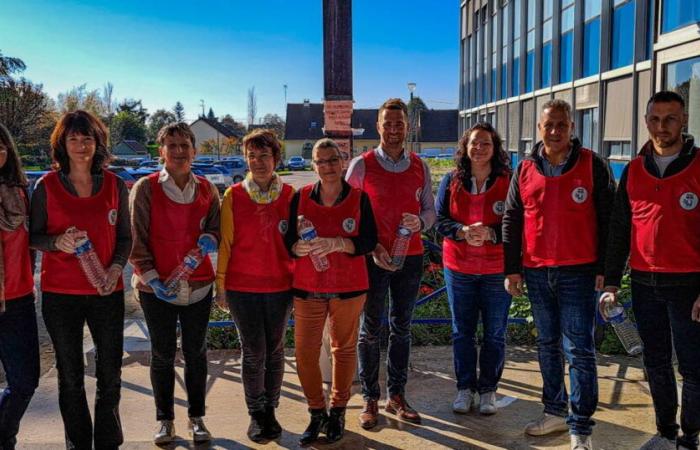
(556, 224)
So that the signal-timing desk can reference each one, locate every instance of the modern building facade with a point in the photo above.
(605, 57)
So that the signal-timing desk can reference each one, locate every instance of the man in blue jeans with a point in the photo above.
(655, 222)
(554, 231)
(399, 188)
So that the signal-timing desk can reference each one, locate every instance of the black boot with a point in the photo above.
(318, 423)
(256, 429)
(272, 429)
(336, 424)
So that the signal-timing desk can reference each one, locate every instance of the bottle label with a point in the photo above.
(403, 232)
(307, 234)
(191, 262)
(84, 247)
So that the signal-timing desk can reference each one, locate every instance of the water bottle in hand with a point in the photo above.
(90, 263)
(624, 328)
(182, 272)
(307, 232)
(399, 248)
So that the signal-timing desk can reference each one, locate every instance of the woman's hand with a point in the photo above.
(67, 241)
(302, 248)
(326, 246)
(411, 221)
(220, 300)
(113, 275)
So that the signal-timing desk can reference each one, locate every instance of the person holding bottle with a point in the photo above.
(19, 342)
(175, 213)
(655, 224)
(81, 200)
(254, 277)
(331, 228)
(470, 205)
(398, 184)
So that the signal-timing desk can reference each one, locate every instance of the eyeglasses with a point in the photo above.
(327, 162)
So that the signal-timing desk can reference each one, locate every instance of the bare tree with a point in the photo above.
(252, 106)
(108, 98)
(10, 65)
(27, 112)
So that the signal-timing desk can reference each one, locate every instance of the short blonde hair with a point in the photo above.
(325, 143)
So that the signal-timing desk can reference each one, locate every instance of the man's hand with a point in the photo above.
(514, 284)
(382, 259)
(412, 222)
(326, 246)
(695, 312)
(113, 275)
(301, 248)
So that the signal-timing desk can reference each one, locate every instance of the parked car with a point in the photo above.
(212, 174)
(296, 163)
(32, 177)
(236, 166)
(124, 174)
(141, 172)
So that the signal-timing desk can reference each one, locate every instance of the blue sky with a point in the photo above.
(164, 51)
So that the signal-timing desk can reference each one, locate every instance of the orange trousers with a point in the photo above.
(344, 321)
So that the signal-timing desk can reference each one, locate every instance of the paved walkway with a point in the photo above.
(625, 418)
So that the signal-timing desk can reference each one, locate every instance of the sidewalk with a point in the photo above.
(625, 417)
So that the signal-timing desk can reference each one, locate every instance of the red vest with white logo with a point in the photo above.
(176, 227)
(19, 280)
(560, 227)
(259, 261)
(665, 219)
(392, 194)
(467, 208)
(346, 273)
(61, 272)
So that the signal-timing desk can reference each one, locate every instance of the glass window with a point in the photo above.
(547, 9)
(516, 18)
(530, 69)
(676, 14)
(623, 32)
(566, 69)
(684, 78)
(591, 9)
(589, 128)
(531, 13)
(565, 3)
(546, 64)
(516, 68)
(567, 19)
(620, 149)
(650, 32)
(591, 47)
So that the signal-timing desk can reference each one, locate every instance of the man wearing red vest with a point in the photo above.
(656, 222)
(554, 232)
(400, 191)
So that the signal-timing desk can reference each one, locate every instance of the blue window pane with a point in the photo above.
(516, 76)
(494, 83)
(529, 71)
(591, 9)
(679, 13)
(504, 81)
(546, 64)
(591, 48)
(623, 32)
(650, 32)
(566, 68)
(567, 19)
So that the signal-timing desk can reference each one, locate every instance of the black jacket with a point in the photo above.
(603, 196)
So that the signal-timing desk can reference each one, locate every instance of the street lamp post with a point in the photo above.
(412, 118)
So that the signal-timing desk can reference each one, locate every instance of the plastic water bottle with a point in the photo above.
(182, 272)
(90, 263)
(307, 232)
(400, 246)
(624, 328)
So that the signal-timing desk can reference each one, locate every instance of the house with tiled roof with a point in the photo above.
(213, 137)
(129, 149)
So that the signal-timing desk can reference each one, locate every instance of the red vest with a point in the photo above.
(97, 214)
(19, 280)
(391, 195)
(346, 273)
(467, 208)
(560, 227)
(259, 261)
(665, 219)
(175, 229)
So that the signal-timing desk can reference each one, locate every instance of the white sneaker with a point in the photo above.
(580, 442)
(165, 433)
(658, 442)
(487, 403)
(545, 424)
(463, 402)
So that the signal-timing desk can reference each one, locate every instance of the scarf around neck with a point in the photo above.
(258, 195)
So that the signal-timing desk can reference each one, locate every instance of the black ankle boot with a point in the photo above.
(272, 429)
(318, 423)
(256, 429)
(336, 424)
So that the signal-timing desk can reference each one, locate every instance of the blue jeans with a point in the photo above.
(564, 308)
(469, 297)
(19, 354)
(664, 322)
(402, 286)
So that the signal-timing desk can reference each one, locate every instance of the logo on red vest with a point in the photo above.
(419, 191)
(282, 226)
(579, 194)
(499, 208)
(689, 201)
(112, 217)
(349, 225)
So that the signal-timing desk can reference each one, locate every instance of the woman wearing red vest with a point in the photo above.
(345, 230)
(81, 196)
(254, 277)
(175, 213)
(19, 344)
(470, 204)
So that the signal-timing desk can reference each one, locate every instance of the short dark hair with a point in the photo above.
(80, 122)
(500, 161)
(558, 104)
(11, 173)
(666, 97)
(171, 129)
(393, 104)
(261, 138)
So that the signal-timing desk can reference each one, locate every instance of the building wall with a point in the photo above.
(203, 132)
(605, 57)
(293, 148)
